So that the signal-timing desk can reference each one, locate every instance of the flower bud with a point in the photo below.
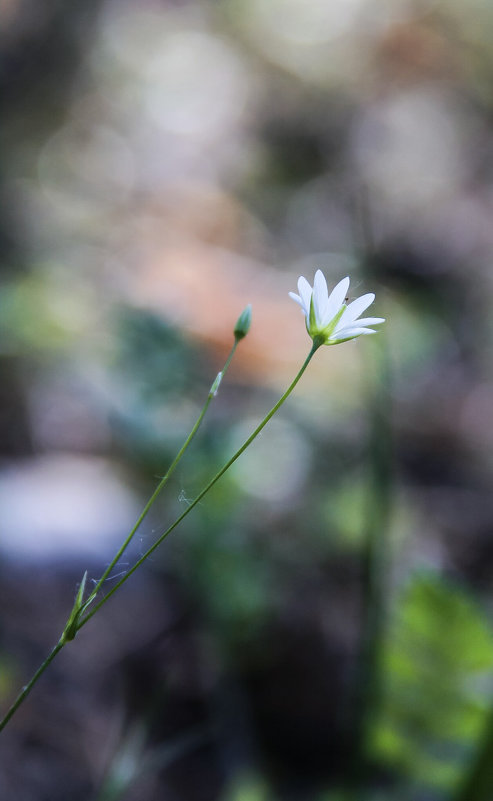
(243, 323)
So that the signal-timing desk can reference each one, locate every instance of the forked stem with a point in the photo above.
(78, 625)
(201, 494)
(166, 477)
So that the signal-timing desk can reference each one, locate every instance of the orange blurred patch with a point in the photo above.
(412, 52)
(204, 289)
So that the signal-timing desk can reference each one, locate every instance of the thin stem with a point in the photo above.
(375, 565)
(164, 480)
(203, 492)
(63, 640)
(27, 689)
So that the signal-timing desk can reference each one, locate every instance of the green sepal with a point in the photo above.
(323, 336)
(215, 385)
(71, 625)
(312, 324)
(332, 325)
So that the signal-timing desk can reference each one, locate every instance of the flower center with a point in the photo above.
(316, 330)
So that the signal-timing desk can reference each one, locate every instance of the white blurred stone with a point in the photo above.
(58, 506)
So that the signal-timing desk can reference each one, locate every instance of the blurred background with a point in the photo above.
(319, 628)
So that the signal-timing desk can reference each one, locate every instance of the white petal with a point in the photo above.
(320, 296)
(356, 308)
(364, 321)
(350, 332)
(305, 291)
(336, 299)
(297, 299)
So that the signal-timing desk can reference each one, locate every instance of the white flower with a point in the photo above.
(328, 319)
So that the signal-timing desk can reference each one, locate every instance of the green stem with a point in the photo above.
(204, 492)
(63, 640)
(376, 560)
(27, 689)
(163, 481)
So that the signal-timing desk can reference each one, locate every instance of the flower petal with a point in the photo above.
(297, 299)
(361, 322)
(356, 308)
(305, 291)
(351, 332)
(336, 299)
(320, 296)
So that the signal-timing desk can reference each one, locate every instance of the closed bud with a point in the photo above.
(243, 323)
